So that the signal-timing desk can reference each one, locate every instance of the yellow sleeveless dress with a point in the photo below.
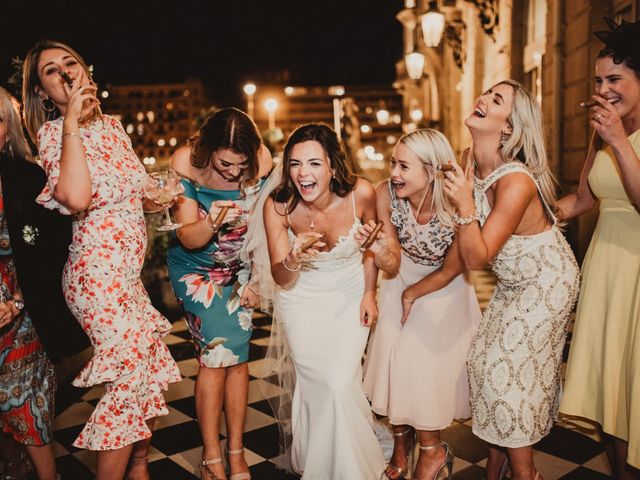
(603, 371)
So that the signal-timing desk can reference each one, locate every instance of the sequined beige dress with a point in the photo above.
(514, 362)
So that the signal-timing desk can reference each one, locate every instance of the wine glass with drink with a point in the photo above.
(162, 187)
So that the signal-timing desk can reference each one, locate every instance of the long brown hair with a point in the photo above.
(34, 115)
(228, 128)
(343, 180)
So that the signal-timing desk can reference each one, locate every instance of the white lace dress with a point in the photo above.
(417, 374)
(514, 363)
(333, 438)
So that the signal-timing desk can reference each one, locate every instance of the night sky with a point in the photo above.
(223, 42)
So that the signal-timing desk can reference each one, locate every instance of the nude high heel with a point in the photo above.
(402, 474)
(241, 475)
(446, 469)
(205, 470)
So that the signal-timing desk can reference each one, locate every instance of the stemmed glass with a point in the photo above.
(162, 187)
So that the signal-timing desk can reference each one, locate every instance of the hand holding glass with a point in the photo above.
(162, 188)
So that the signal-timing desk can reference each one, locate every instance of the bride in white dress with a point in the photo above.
(325, 303)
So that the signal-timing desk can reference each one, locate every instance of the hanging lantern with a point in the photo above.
(414, 63)
(432, 25)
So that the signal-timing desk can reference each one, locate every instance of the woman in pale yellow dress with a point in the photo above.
(603, 372)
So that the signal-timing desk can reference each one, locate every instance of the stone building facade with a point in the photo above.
(548, 45)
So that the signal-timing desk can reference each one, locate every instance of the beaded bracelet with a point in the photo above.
(286, 267)
(465, 220)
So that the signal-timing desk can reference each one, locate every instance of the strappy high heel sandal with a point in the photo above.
(205, 470)
(241, 475)
(446, 469)
(396, 470)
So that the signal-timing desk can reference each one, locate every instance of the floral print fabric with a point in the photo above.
(423, 244)
(102, 286)
(27, 379)
(208, 282)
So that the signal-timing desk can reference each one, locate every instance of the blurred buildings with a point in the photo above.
(547, 45)
(157, 117)
(368, 116)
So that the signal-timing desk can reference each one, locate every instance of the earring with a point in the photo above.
(503, 138)
(8, 149)
(48, 107)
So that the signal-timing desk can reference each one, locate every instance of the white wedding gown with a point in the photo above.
(332, 424)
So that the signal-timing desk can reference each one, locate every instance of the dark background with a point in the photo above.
(224, 42)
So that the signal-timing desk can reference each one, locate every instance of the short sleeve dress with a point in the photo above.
(103, 290)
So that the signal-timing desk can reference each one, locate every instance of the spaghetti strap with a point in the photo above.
(353, 203)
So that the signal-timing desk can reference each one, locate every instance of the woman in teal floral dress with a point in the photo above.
(220, 167)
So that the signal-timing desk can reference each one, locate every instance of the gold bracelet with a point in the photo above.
(70, 134)
(286, 267)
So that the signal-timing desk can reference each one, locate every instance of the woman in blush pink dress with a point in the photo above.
(415, 370)
(94, 175)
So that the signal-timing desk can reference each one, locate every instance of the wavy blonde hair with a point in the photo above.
(9, 113)
(34, 115)
(526, 143)
(433, 149)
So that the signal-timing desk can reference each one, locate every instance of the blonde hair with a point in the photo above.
(9, 113)
(34, 115)
(526, 143)
(433, 149)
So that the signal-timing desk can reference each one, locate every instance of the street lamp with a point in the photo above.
(432, 25)
(271, 105)
(382, 116)
(250, 90)
(415, 64)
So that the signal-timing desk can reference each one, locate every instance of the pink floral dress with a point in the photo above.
(102, 286)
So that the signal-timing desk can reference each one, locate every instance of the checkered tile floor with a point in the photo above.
(565, 453)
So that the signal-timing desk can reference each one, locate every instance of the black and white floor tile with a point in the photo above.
(176, 446)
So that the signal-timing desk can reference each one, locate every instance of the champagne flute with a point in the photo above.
(162, 187)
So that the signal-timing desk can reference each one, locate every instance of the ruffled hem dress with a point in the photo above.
(103, 290)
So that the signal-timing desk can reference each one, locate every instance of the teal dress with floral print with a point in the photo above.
(208, 282)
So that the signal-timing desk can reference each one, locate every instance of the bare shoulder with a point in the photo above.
(364, 191)
(516, 183)
(271, 209)
(265, 161)
(181, 162)
(382, 191)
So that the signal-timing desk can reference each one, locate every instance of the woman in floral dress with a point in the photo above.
(220, 168)
(94, 175)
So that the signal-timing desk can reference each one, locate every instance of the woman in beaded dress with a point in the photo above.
(603, 370)
(514, 362)
(415, 370)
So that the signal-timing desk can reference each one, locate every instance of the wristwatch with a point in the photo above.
(19, 304)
